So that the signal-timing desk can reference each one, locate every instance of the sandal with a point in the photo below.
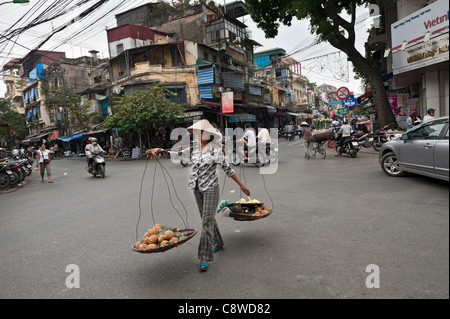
(215, 249)
(204, 265)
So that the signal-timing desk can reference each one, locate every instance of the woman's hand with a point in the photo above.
(245, 190)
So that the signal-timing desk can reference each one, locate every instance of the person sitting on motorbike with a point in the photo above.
(263, 136)
(90, 148)
(249, 139)
(366, 125)
(289, 128)
(345, 132)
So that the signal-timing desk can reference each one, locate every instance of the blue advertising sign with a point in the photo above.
(350, 102)
(335, 103)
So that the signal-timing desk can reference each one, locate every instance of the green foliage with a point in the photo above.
(16, 121)
(142, 108)
(80, 115)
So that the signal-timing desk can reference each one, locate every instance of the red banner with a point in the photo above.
(227, 102)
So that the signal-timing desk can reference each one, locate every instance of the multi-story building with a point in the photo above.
(32, 76)
(39, 119)
(197, 52)
(284, 73)
(13, 84)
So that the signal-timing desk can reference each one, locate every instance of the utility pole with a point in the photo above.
(16, 1)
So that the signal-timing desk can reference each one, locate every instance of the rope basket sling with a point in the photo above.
(182, 235)
(238, 209)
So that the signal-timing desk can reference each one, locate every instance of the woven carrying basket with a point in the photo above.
(248, 217)
(322, 136)
(189, 233)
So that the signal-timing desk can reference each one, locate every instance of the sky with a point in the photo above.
(321, 63)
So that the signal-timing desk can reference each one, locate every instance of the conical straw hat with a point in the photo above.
(203, 125)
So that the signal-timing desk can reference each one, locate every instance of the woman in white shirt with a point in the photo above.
(43, 159)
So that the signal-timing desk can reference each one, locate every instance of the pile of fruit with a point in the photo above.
(250, 201)
(159, 236)
(258, 210)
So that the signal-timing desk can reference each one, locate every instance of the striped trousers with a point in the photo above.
(207, 205)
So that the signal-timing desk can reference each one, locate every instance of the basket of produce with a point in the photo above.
(161, 238)
(322, 135)
(250, 210)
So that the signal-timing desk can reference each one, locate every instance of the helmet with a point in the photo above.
(93, 139)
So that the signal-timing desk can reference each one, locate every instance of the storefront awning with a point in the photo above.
(279, 88)
(236, 118)
(297, 115)
(37, 138)
(189, 117)
(74, 136)
(271, 109)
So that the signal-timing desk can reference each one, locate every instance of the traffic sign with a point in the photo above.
(343, 110)
(343, 93)
(350, 102)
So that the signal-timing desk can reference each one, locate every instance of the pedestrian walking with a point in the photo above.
(43, 162)
(204, 182)
(56, 150)
(307, 138)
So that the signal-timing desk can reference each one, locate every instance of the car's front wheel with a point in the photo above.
(390, 165)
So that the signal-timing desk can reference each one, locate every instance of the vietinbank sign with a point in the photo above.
(434, 19)
(421, 39)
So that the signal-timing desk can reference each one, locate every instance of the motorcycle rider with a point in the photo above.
(249, 139)
(289, 128)
(90, 148)
(345, 132)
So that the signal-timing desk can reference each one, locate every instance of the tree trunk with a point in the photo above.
(385, 115)
(148, 138)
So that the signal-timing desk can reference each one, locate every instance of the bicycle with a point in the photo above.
(317, 147)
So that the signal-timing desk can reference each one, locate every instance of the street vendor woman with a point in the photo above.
(205, 184)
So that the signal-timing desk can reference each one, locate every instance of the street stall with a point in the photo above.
(74, 144)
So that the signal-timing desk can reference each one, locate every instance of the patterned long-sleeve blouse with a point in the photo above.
(204, 167)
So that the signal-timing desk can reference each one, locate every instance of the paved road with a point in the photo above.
(332, 219)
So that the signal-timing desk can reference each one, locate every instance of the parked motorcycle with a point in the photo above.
(5, 173)
(380, 137)
(365, 140)
(15, 174)
(98, 164)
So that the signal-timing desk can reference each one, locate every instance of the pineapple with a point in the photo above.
(153, 239)
(164, 243)
(168, 234)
